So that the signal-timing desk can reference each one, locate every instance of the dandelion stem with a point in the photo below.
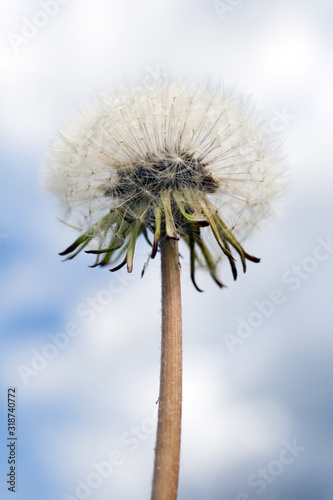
(167, 452)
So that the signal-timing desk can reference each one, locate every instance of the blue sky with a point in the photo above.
(91, 339)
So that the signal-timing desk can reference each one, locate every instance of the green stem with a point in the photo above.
(167, 451)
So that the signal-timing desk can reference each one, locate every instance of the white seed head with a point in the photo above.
(174, 146)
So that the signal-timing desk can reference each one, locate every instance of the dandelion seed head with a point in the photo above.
(176, 157)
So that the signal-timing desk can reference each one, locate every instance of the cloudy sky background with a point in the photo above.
(245, 403)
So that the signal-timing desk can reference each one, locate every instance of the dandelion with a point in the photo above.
(172, 161)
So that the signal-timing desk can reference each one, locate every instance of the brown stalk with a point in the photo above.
(167, 451)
